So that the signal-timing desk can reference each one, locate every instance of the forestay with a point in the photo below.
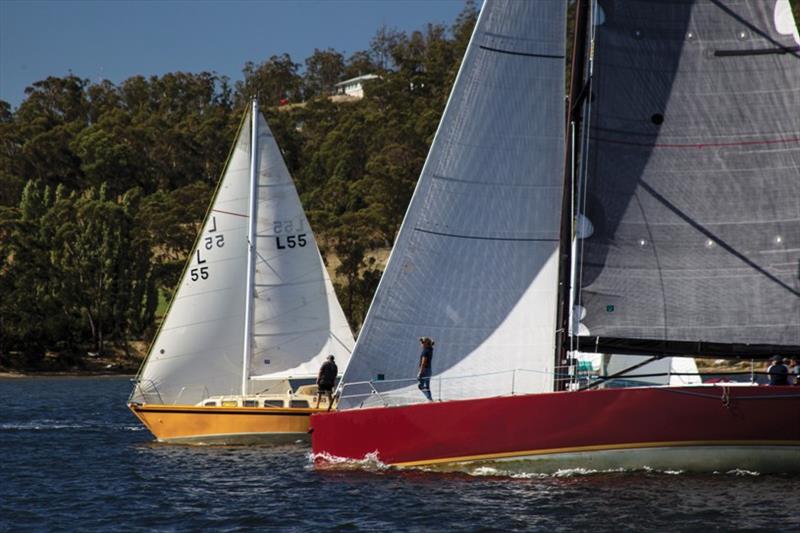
(475, 263)
(694, 158)
(297, 319)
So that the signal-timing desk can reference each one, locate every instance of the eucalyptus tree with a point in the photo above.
(324, 70)
(273, 80)
(102, 264)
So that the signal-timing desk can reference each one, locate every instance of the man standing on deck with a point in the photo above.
(778, 372)
(326, 380)
(425, 368)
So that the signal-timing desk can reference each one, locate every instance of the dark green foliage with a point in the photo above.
(76, 270)
(358, 272)
(796, 10)
(273, 81)
(324, 70)
(103, 186)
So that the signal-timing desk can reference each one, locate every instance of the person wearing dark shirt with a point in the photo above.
(778, 372)
(326, 380)
(425, 367)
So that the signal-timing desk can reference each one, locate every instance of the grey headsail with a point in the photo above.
(475, 263)
(692, 189)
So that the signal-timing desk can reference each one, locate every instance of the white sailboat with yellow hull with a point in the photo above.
(253, 318)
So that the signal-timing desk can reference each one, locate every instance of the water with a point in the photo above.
(72, 458)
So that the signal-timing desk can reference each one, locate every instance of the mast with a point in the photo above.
(251, 239)
(576, 95)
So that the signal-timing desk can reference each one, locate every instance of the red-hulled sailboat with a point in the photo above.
(674, 231)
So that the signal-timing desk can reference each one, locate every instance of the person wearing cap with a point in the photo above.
(778, 372)
(425, 367)
(326, 380)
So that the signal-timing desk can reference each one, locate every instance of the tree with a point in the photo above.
(352, 240)
(31, 315)
(273, 80)
(61, 100)
(358, 64)
(390, 179)
(324, 70)
(105, 159)
(463, 26)
(5, 112)
(383, 43)
(171, 221)
(102, 264)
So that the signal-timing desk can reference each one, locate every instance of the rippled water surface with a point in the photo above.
(73, 458)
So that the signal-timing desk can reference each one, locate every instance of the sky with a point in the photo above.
(117, 39)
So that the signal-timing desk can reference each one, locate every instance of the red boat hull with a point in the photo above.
(573, 425)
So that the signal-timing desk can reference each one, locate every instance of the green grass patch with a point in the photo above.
(163, 304)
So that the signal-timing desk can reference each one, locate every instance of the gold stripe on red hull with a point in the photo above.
(792, 447)
(225, 425)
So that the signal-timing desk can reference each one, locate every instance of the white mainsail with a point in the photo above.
(198, 350)
(297, 319)
(475, 265)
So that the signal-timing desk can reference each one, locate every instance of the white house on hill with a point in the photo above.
(354, 86)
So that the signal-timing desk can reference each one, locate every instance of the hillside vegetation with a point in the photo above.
(103, 186)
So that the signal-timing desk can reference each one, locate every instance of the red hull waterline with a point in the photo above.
(703, 429)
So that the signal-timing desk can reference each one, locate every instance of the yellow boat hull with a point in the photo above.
(225, 425)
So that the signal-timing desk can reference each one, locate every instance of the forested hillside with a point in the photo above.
(103, 186)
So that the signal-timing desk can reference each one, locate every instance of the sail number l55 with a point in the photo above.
(291, 241)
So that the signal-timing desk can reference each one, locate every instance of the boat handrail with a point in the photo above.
(442, 386)
(400, 388)
(146, 389)
(384, 396)
(138, 382)
(401, 380)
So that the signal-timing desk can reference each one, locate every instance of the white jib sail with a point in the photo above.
(475, 264)
(198, 350)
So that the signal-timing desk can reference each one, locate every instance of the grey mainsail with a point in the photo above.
(475, 263)
(693, 176)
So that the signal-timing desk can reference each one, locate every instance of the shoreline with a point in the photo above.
(4, 374)
(51, 365)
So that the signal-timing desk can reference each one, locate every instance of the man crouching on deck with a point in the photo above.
(326, 380)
